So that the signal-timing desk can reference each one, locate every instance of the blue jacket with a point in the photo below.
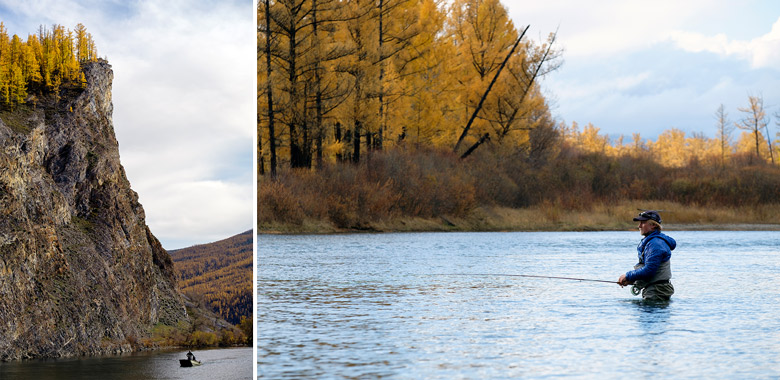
(655, 249)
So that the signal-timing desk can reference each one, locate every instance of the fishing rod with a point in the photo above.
(524, 275)
(634, 289)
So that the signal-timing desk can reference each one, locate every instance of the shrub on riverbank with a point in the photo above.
(185, 336)
(391, 189)
(386, 185)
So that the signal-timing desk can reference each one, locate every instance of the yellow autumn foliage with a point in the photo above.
(42, 63)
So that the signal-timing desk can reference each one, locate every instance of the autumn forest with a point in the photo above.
(43, 63)
(369, 111)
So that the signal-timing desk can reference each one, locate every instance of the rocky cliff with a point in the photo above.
(80, 272)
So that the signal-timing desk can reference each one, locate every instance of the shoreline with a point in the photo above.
(669, 227)
(497, 219)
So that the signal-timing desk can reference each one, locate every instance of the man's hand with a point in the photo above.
(622, 281)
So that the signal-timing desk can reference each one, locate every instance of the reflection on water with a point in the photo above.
(218, 364)
(377, 306)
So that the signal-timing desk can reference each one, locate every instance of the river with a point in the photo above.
(217, 364)
(388, 305)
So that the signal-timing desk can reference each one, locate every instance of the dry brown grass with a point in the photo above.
(434, 191)
(602, 217)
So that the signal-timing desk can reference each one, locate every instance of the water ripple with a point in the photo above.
(370, 306)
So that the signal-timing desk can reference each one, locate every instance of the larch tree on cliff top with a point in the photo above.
(42, 63)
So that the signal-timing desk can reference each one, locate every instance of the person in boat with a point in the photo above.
(654, 271)
(190, 355)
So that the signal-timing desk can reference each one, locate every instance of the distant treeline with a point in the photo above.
(43, 63)
(219, 275)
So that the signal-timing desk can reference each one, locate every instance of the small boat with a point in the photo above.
(188, 362)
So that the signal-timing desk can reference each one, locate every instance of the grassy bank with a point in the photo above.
(550, 217)
(436, 191)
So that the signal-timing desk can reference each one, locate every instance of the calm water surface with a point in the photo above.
(218, 364)
(380, 305)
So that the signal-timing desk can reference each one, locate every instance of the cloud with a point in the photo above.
(184, 113)
(761, 52)
(184, 104)
(227, 202)
(636, 66)
(607, 27)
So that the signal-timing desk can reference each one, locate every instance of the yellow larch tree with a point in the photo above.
(571, 135)
(638, 145)
(519, 106)
(592, 141)
(290, 29)
(746, 144)
(483, 35)
(398, 25)
(42, 63)
(622, 147)
(359, 113)
(419, 85)
(510, 104)
(700, 148)
(669, 148)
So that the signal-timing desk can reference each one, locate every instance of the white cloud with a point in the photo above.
(184, 111)
(184, 104)
(638, 66)
(761, 52)
(606, 27)
(227, 202)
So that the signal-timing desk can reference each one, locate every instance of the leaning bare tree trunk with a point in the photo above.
(487, 91)
(476, 145)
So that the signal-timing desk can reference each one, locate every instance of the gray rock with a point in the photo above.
(80, 271)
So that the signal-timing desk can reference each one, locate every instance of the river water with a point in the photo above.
(386, 305)
(218, 364)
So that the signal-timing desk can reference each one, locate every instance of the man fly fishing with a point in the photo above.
(654, 270)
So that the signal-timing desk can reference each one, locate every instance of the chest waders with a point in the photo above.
(661, 276)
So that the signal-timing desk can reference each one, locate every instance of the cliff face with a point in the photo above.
(80, 272)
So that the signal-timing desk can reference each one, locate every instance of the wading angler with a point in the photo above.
(654, 271)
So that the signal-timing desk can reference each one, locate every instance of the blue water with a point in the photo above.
(383, 305)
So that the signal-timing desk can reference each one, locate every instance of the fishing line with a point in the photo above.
(523, 275)
(634, 289)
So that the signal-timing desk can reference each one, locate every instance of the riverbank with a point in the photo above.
(550, 217)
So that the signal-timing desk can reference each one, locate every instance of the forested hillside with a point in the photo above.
(219, 275)
(377, 111)
(43, 63)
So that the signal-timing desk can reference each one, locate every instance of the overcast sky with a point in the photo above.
(648, 66)
(184, 104)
